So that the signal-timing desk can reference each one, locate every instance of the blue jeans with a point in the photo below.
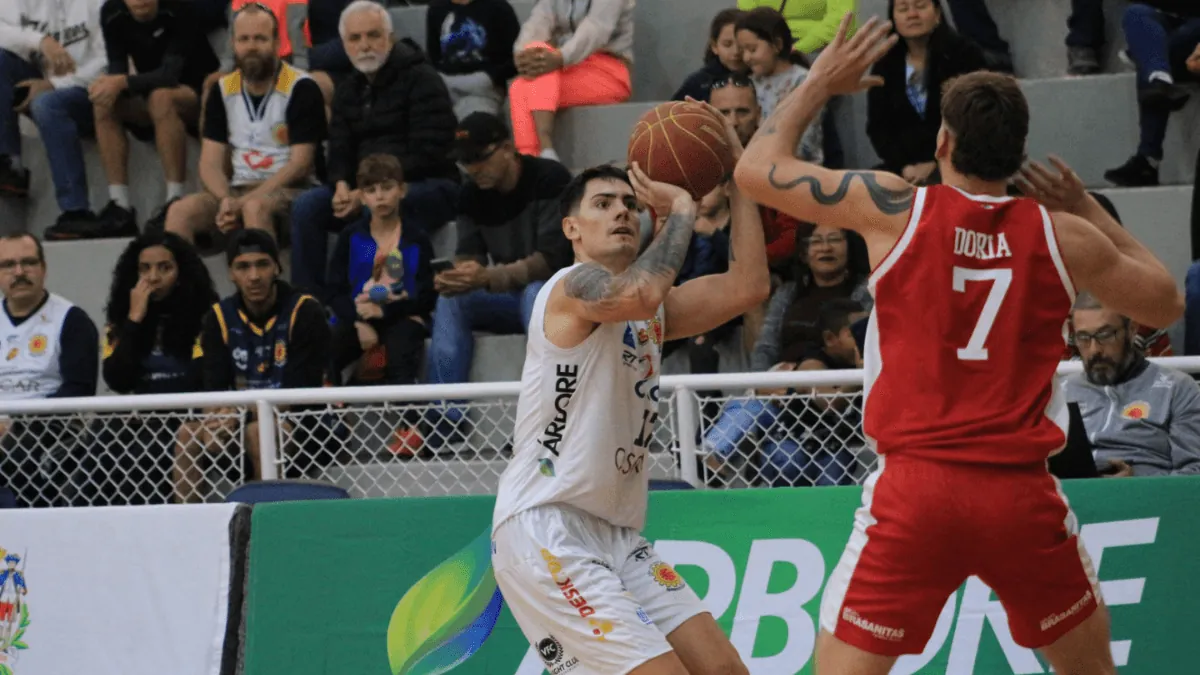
(61, 116)
(1191, 312)
(429, 204)
(452, 344)
(1157, 43)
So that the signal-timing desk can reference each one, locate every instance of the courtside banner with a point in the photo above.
(405, 586)
(140, 590)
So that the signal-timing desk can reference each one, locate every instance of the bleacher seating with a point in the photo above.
(1091, 122)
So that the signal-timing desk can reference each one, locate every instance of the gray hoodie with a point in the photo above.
(580, 28)
(1151, 420)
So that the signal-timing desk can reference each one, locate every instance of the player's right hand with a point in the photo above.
(662, 198)
(735, 143)
(842, 66)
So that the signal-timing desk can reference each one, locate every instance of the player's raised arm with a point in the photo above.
(700, 305)
(769, 174)
(598, 293)
(1100, 255)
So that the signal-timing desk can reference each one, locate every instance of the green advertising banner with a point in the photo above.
(404, 586)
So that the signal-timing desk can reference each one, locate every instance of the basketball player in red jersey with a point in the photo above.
(972, 289)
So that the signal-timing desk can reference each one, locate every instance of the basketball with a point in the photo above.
(683, 144)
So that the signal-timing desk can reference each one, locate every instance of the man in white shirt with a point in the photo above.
(51, 349)
(50, 51)
(589, 592)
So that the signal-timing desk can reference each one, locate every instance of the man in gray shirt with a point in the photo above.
(1142, 419)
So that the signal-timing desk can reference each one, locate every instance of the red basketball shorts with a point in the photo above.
(924, 527)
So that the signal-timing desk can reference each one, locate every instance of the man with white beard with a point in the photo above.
(394, 103)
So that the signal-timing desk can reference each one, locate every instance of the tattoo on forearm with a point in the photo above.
(660, 262)
(887, 200)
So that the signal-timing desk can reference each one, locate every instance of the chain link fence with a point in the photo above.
(420, 449)
(127, 458)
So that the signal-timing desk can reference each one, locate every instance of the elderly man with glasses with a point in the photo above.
(1142, 419)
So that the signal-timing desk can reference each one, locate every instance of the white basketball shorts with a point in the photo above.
(592, 598)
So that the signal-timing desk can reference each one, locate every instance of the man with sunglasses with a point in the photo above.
(1142, 419)
(508, 213)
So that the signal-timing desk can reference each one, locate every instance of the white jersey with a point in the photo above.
(585, 418)
(29, 368)
(258, 134)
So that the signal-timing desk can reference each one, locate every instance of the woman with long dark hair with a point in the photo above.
(904, 115)
(160, 292)
(722, 57)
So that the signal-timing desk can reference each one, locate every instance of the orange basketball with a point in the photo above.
(683, 144)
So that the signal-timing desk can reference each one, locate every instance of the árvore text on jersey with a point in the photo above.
(565, 381)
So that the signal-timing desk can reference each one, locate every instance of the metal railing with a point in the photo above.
(728, 430)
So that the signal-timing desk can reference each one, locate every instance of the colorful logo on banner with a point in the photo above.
(14, 611)
(446, 616)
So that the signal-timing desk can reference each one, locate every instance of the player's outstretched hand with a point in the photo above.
(1058, 190)
(662, 198)
(842, 66)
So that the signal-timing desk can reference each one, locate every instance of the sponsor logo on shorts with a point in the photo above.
(546, 467)
(572, 594)
(1055, 619)
(640, 553)
(600, 563)
(641, 613)
(666, 576)
(878, 630)
(551, 651)
(600, 628)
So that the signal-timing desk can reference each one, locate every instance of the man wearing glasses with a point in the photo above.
(50, 349)
(1141, 418)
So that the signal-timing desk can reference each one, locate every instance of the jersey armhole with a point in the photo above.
(898, 248)
(1064, 274)
(540, 307)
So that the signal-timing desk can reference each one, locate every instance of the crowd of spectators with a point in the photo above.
(314, 120)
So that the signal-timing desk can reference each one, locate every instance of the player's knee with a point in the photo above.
(180, 218)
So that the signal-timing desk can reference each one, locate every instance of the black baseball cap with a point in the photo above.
(252, 241)
(475, 134)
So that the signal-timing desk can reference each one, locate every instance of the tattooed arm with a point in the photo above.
(592, 294)
(869, 202)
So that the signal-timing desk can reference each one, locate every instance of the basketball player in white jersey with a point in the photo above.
(587, 589)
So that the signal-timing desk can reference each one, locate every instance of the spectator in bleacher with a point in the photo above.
(380, 250)
(51, 350)
(470, 42)
(776, 69)
(1085, 37)
(327, 53)
(159, 102)
(974, 21)
(1163, 47)
(50, 52)
(722, 58)
(395, 103)
(904, 114)
(1143, 419)
(265, 121)
(804, 440)
(160, 292)
(1191, 317)
(812, 23)
(510, 241)
(267, 335)
(294, 43)
(831, 264)
(568, 54)
(736, 99)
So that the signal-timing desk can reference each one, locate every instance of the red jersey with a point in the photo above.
(968, 328)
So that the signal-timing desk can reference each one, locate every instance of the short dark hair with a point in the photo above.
(834, 315)
(254, 8)
(572, 195)
(989, 117)
(379, 168)
(725, 17)
(769, 25)
(37, 243)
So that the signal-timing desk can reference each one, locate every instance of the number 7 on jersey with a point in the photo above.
(1001, 279)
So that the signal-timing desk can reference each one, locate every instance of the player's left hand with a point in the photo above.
(842, 66)
(1059, 190)
(662, 198)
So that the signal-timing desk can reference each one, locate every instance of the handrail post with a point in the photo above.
(268, 446)
(687, 425)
